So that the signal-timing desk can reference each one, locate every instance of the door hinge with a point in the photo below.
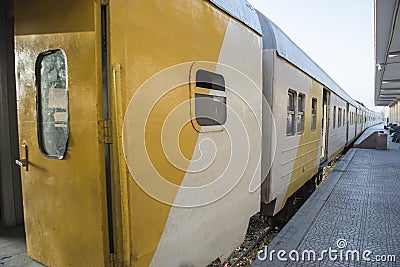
(105, 131)
(102, 2)
(113, 260)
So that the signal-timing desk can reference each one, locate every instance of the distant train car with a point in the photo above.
(316, 123)
(151, 131)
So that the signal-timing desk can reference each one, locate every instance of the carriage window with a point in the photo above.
(334, 117)
(344, 117)
(52, 103)
(339, 117)
(314, 115)
(210, 108)
(291, 106)
(300, 113)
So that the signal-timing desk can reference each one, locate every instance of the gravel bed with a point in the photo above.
(257, 227)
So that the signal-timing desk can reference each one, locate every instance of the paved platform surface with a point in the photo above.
(356, 208)
(13, 248)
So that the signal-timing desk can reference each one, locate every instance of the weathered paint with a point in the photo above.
(153, 43)
(197, 225)
(190, 32)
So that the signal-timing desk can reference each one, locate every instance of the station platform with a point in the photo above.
(367, 139)
(13, 248)
(355, 211)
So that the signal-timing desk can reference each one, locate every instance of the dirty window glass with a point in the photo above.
(52, 103)
(210, 110)
(290, 124)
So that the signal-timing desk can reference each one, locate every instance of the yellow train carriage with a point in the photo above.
(140, 129)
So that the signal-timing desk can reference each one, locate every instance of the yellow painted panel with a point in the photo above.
(148, 37)
(47, 16)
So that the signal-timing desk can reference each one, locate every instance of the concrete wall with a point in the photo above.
(10, 181)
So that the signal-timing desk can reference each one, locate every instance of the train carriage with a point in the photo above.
(140, 129)
(315, 119)
(151, 131)
(352, 124)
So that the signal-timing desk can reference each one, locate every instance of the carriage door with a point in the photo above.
(60, 114)
(347, 123)
(357, 120)
(325, 126)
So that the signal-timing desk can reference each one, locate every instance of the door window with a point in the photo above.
(52, 103)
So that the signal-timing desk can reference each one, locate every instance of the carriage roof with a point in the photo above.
(274, 38)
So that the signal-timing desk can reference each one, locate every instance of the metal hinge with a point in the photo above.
(102, 2)
(105, 131)
(113, 260)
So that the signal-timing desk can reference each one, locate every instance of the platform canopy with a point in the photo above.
(387, 52)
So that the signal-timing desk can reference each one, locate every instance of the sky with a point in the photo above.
(337, 34)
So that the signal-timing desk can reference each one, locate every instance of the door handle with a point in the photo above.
(23, 162)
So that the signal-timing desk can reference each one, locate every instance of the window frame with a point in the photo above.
(344, 117)
(334, 118)
(291, 113)
(314, 116)
(301, 99)
(207, 89)
(351, 118)
(39, 106)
